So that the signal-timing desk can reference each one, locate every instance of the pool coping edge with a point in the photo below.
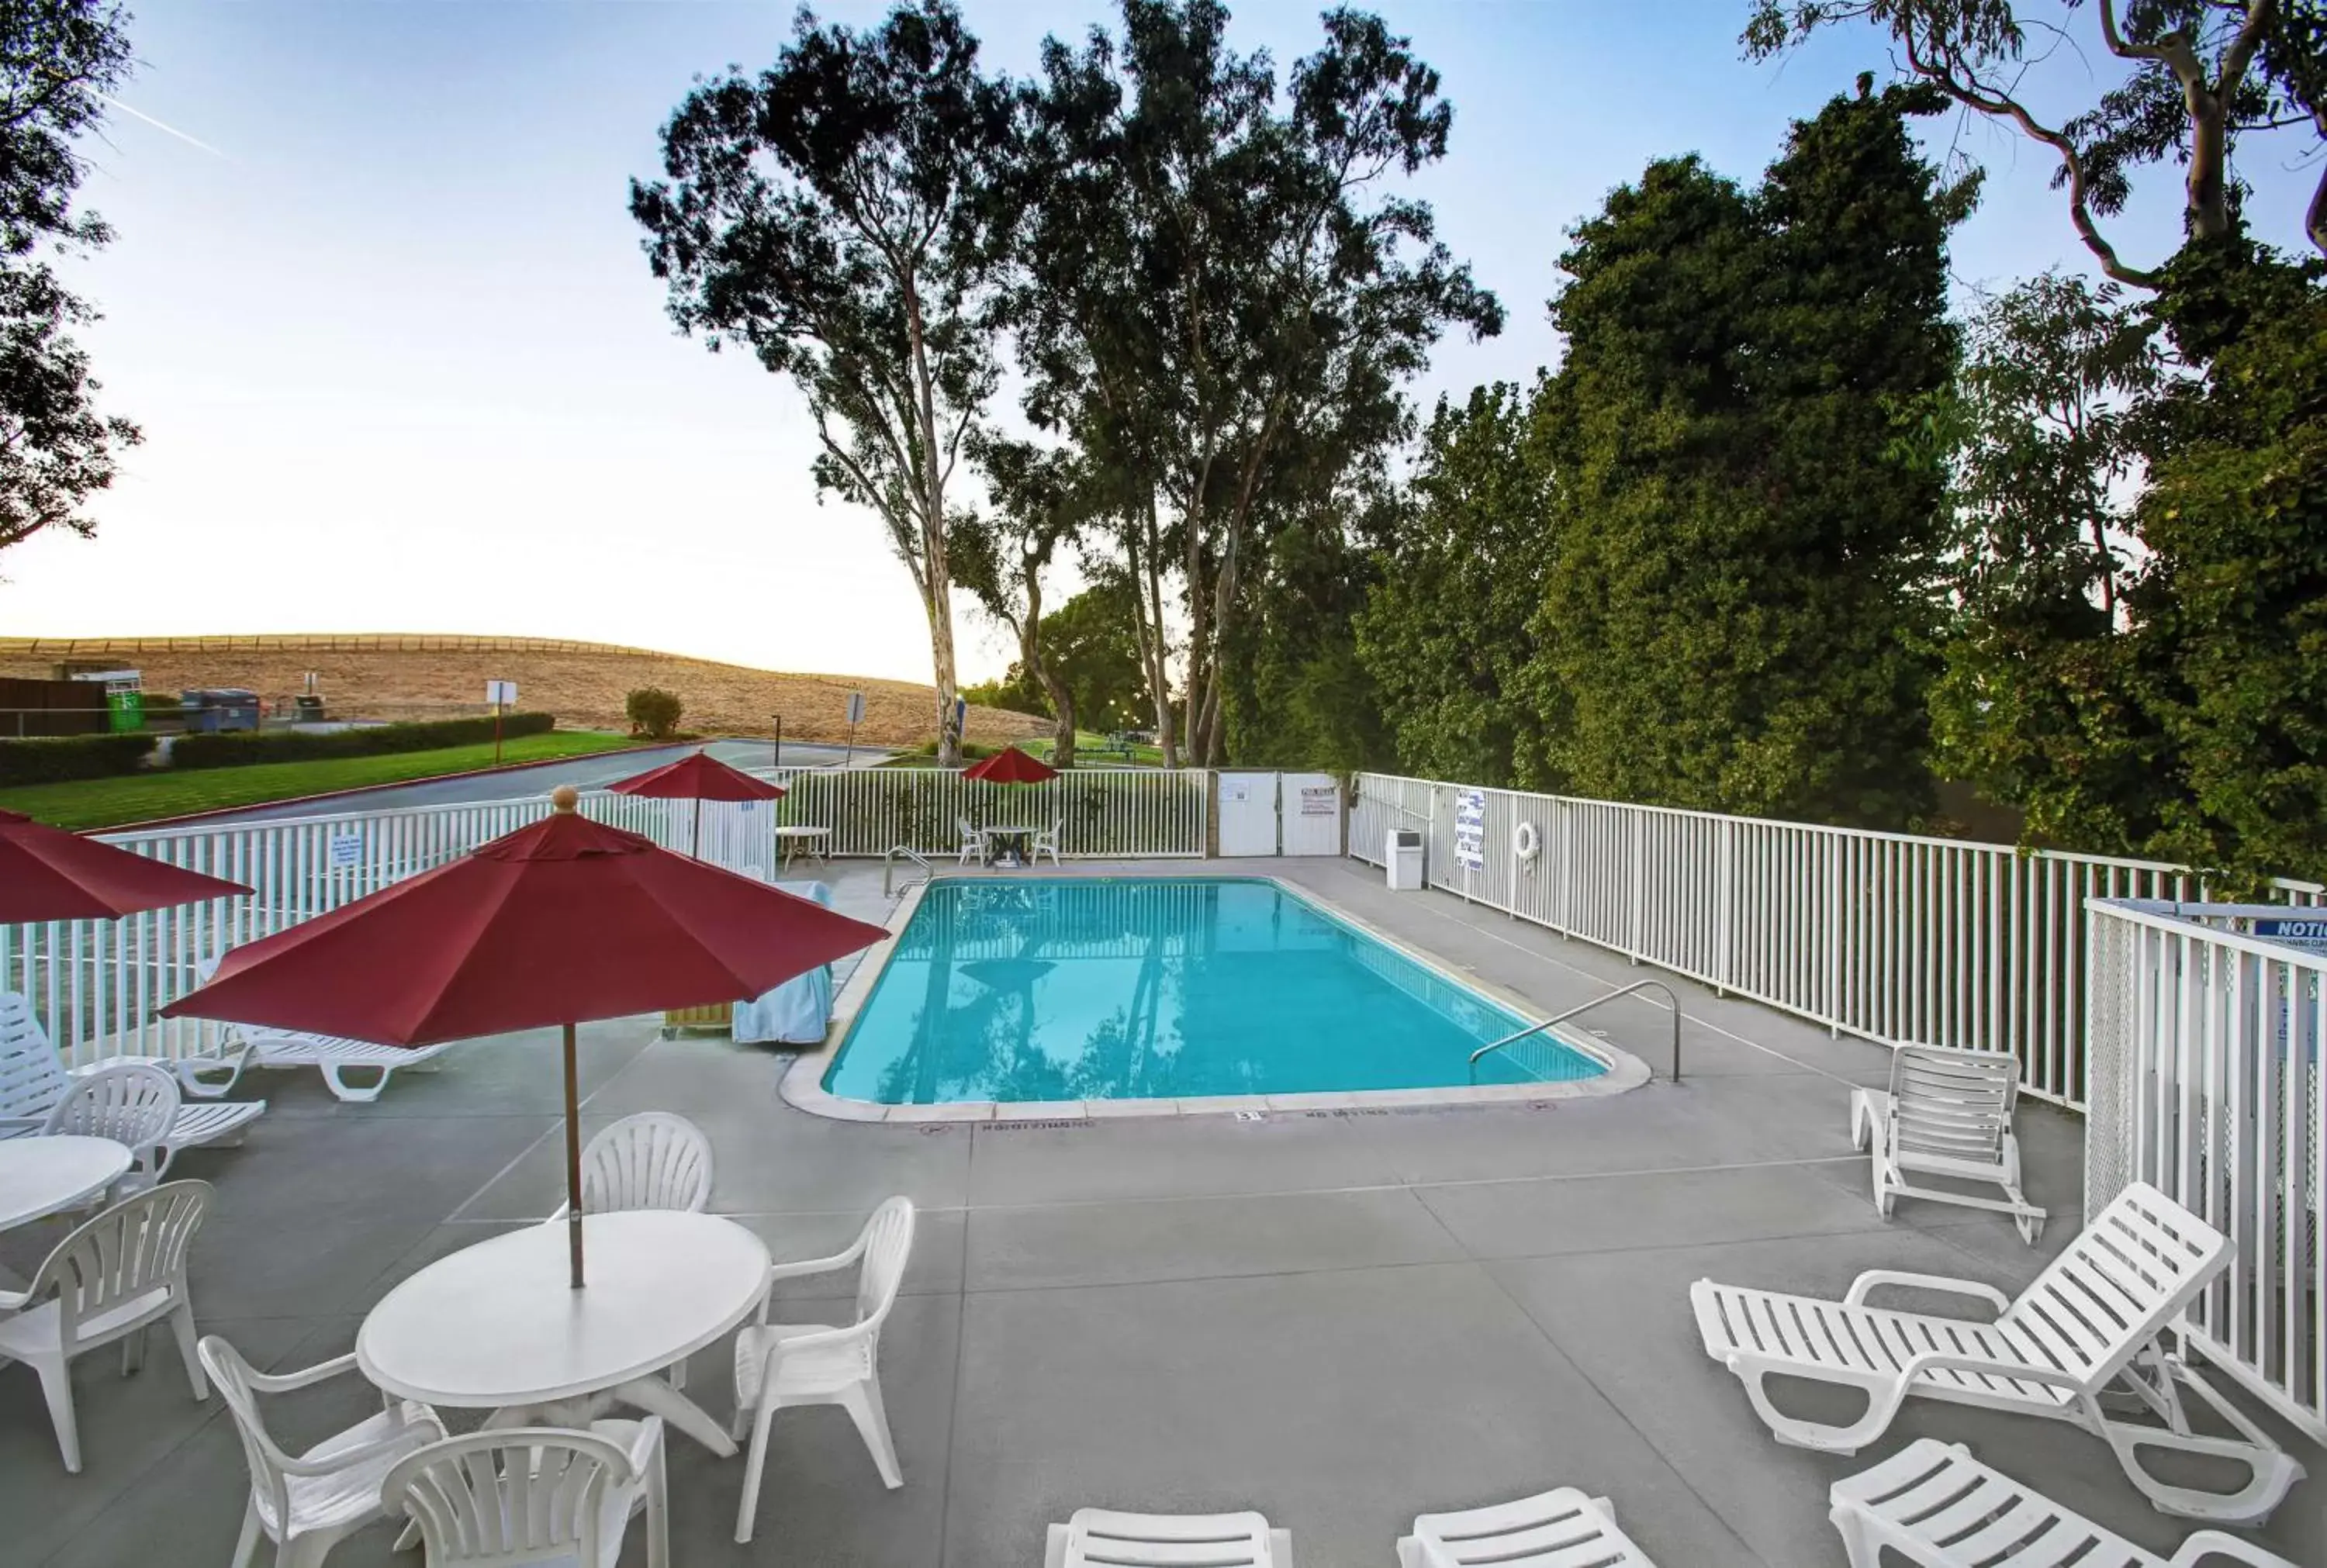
(802, 1083)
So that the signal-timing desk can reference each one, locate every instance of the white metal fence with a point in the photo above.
(1888, 936)
(95, 983)
(2205, 1082)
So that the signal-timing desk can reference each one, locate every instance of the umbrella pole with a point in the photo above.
(573, 1164)
(695, 838)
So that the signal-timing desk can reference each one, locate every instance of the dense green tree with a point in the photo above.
(1447, 627)
(1222, 298)
(59, 62)
(1089, 648)
(1004, 555)
(1296, 694)
(840, 214)
(1732, 612)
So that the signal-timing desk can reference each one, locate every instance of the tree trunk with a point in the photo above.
(1030, 653)
(937, 587)
(1147, 627)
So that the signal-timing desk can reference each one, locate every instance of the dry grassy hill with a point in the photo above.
(390, 675)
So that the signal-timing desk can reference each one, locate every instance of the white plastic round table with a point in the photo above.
(497, 1326)
(38, 1176)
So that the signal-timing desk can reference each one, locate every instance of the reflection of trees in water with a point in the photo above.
(977, 1041)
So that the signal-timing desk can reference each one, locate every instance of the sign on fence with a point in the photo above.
(1471, 829)
(347, 850)
(1319, 800)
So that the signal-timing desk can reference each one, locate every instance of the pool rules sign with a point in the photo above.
(1471, 829)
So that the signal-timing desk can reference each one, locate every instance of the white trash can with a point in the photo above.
(1403, 857)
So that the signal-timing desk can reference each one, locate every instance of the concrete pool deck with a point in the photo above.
(1339, 1319)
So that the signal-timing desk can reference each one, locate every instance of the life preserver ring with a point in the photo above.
(1526, 841)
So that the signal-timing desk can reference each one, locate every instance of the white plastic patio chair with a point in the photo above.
(1933, 1504)
(245, 1046)
(136, 1106)
(2091, 1320)
(1103, 1538)
(1948, 1113)
(111, 1278)
(309, 1503)
(1565, 1529)
(653, 1160)
(536, 1495)
(974, 844)
(1045, 841)
(779, 1366)
(33, 1079)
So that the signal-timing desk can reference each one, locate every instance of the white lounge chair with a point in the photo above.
(245, 1046)
(527, 1495)
(1556, 1529)
(1932, 1503)
(1045, 841)
(309, 1503)
(783, 1365)
(653, 1160)
(974, 843)
(136, 1106)
(1103, 1538)
(110, 1279)
(1949, 1113)
(2090, 1321)
(34, 1080)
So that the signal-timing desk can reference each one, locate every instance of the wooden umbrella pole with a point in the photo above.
(573, 1163)
(695, 839)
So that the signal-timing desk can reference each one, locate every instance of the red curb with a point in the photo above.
(152, 822)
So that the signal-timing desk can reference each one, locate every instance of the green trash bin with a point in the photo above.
(125, 708)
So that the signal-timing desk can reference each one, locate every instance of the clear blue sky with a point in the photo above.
(401, 366)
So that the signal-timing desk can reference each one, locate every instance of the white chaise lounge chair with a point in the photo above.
(245, 1046)
(33, 1083)
(1555, 1529)
(1103, 1538)
(1949, 1113)
(1933, 1503)
(2090, 1321)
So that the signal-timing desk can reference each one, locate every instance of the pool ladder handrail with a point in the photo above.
(889, 864)
(1671, 1000)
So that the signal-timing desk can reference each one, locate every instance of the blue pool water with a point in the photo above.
(1159, 988)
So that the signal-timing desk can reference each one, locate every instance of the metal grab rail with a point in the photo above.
(1671, 1000)
(889, 864)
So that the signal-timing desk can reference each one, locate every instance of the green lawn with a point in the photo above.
(140, 796)
(1087, 743)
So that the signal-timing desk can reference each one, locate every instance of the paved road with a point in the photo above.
(581, 773)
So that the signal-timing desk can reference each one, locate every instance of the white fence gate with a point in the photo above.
(1247, 814)
(1309, 813)
(2203, 1042)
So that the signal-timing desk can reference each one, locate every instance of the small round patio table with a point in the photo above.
(803, 840)
(496, 1326)
(40, 1176)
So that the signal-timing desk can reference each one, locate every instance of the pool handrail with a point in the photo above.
(1671, 1000)
(889, 864)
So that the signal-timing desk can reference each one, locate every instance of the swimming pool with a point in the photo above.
(1165, 988)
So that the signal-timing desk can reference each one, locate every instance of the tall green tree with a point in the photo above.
(1223, 298)
(1447, 628)
(1733, 611)
(60, 62)
(1296, 694)
(1003, 556)
(839, 215)
(2195, 77)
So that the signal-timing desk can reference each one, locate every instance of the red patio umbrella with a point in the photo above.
(562, 922)
(698, 776)
(49, 874)
(1010, 766)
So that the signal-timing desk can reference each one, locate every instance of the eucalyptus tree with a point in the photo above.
(1222, 299)
(1003, 556)
(2198, 76)
(838, 214)
(61, 60)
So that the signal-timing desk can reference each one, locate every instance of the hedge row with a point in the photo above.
(69, 757)
(236, 748)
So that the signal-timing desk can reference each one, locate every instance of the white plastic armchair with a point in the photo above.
(310, 1502)
(1045, 841)
(653, 1160)
(781, 1365)
(110, 1279)
(536, 1495)
(974, 846)
(136, 1106)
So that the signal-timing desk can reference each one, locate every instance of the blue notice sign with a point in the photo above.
(2308, 932)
